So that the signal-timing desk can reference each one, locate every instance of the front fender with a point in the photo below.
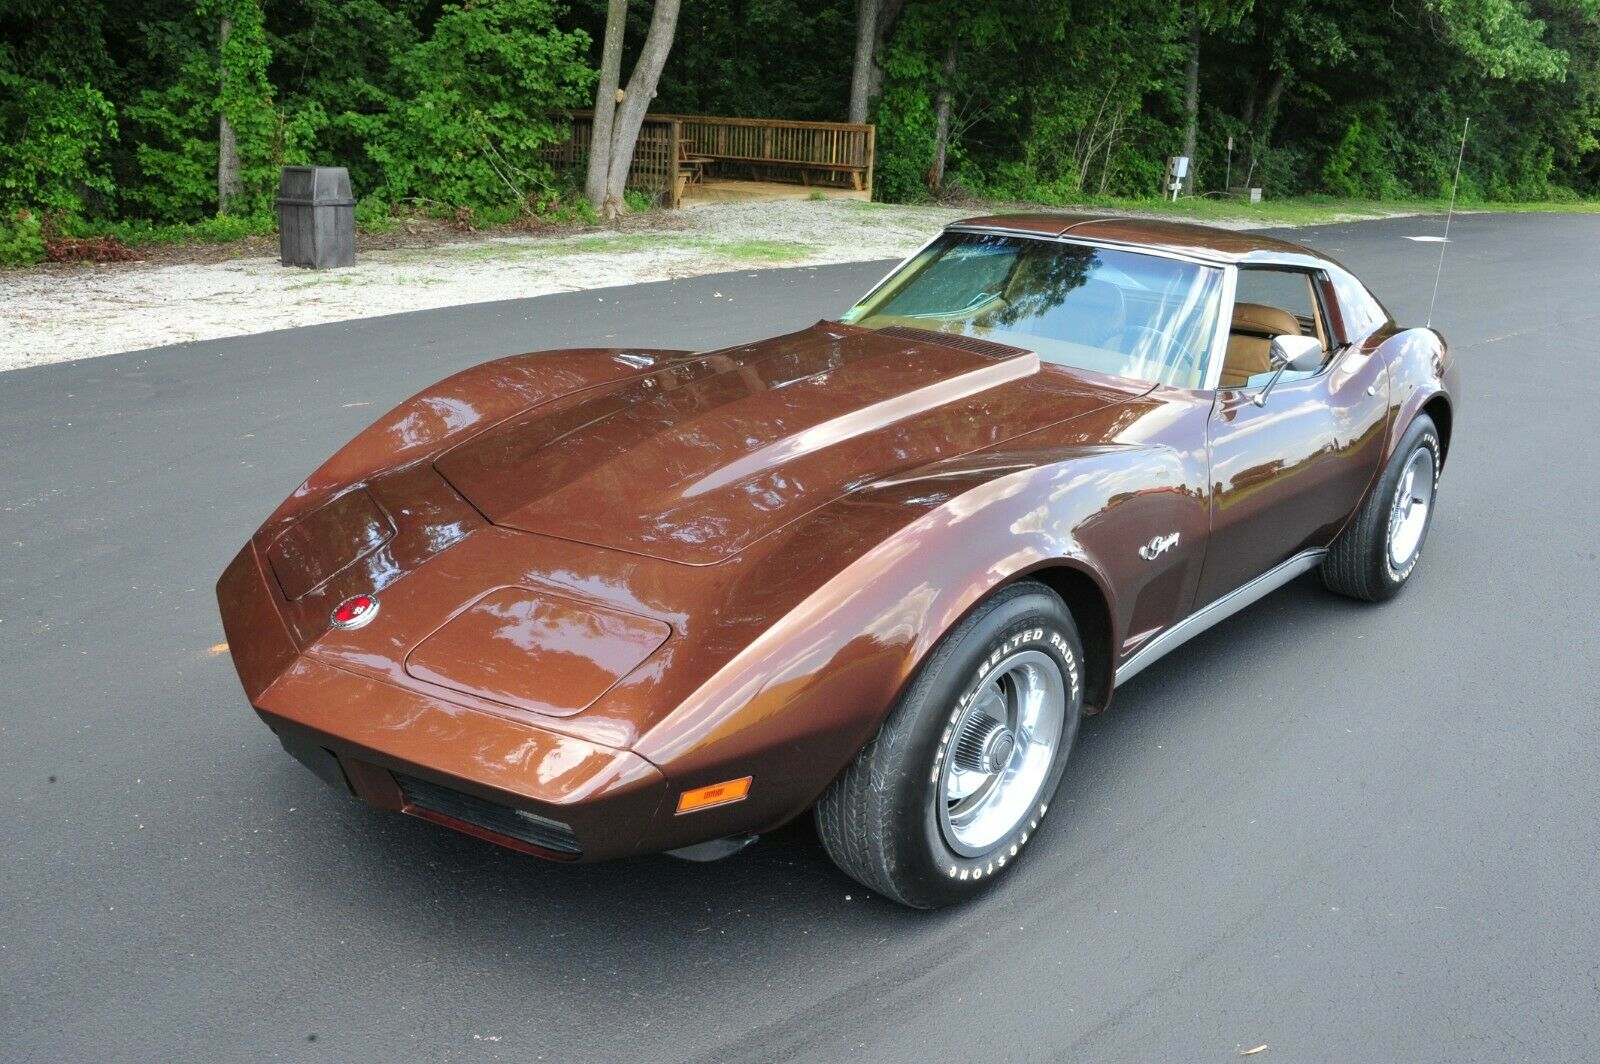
(796, 705)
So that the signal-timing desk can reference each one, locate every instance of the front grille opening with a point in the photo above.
(531, 828)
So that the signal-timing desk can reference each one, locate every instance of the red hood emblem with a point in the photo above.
(355, 611)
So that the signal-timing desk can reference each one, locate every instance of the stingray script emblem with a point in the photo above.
(1158, 546)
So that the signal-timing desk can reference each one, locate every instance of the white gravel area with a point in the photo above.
(59, 314)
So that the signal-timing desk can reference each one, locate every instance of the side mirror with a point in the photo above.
(1303, 354)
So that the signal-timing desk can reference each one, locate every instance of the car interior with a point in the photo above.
(1269, 303)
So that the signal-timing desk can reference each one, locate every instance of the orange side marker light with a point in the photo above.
(714, 795)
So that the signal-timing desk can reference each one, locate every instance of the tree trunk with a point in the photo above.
(941, 134)
(605, 103)
(1269, 108)
(1261, 135)
(230, 185)
(636, 99)
(1191, 102)
(888, 14)
(1248, 115)
(861, 69)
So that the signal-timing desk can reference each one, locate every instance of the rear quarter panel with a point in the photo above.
(1421, 371)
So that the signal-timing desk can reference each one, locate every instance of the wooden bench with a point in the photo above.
(675, 151)
(757, 163)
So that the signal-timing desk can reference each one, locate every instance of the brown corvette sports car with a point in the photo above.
(601, 602)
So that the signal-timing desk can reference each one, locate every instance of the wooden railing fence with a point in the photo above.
(673, 150)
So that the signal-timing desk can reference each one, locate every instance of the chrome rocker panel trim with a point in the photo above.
(1220, 610)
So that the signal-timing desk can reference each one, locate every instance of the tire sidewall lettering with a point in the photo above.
(1031, 633)
(1396, 577)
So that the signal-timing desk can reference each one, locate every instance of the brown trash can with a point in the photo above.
(316, 217)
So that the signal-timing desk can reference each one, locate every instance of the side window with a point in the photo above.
(1289, 290)
(1268, 303)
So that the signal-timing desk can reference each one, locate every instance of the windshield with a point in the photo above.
(1119, 312)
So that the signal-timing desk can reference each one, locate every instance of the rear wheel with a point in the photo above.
(1375, 555)
(955, 783)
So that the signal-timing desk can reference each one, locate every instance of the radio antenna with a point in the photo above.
(1444, 244)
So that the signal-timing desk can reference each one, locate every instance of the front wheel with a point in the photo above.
(955, 783)
(1376, 553)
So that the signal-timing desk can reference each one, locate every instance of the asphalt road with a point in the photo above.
(1346, 832)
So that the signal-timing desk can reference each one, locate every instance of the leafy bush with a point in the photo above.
(477, 103)
(374, 214)
(177, 123)
(1360, 163)
(1282, 171)
(218, 229)
(335, 59)
(52, 140)
(21, 239)
(905, 141)
(574, 209)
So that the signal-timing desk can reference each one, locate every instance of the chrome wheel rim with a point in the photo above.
(1001, 752)
(1408, 516)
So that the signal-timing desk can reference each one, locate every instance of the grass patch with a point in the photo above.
(604, 245)
(1551, 207)
(484, 252)
(316, 280)
(620, 242)
(764, 250)
(1308, 210)
(1300, 210)
(375, 226)
(616, 244)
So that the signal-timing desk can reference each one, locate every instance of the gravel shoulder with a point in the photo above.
(61, 313)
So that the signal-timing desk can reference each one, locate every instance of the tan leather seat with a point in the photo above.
(1250, 341)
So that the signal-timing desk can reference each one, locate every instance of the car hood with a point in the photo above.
(694, 461)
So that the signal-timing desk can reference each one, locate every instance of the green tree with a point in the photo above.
(476, 103)
(211, 139)
(149, 111)
(619, 113)
(55, 123)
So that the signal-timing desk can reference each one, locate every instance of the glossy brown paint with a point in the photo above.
(1287, 475)
(608, 577)
(696, 463)
(558, 656)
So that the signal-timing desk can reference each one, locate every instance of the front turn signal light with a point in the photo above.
(716, 794)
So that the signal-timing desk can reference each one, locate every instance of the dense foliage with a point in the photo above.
(110, 112)
(1362, 98)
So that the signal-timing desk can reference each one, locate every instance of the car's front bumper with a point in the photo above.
(500, 779)
(384, 741)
